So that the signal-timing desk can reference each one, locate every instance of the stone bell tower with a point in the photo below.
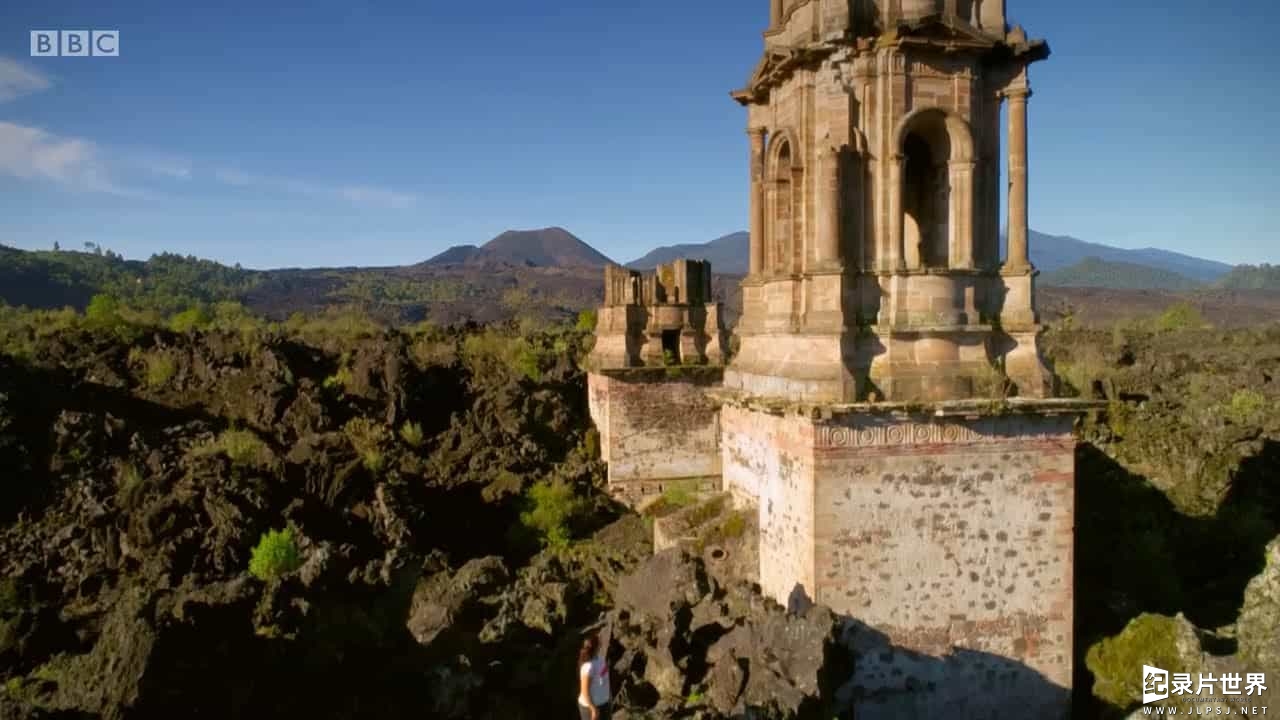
(887, 416)
(876, 178)
(888, 413)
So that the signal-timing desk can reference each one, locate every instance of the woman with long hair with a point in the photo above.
(593, 681)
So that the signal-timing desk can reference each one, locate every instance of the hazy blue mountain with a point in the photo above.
(727, 254)
(1056, 252)
(1093, 272)
(1049, 253)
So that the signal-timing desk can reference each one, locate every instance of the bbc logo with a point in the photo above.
(75, 43)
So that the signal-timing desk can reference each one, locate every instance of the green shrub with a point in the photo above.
(1116, 662)
(369, 440)
(587, 321)
(411, 433)
(159, 367)
(195, 318)
(339, 381)
(276, 555)
(551, 508)
(529, 364)
(103, 311)
(1246, 405)
(490, 350)
(1181, 316)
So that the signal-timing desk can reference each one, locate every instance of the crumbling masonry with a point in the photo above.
(888, 414)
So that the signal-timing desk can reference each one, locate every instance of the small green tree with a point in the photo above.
(552, 506)
(191, 319)
(587, 320)
(276, 555)
(103, 310)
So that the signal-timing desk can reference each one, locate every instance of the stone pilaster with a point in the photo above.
(962, 196)
(757, 200)
(775, 14)
(828, 246)
(1019, 228)
(898, 253)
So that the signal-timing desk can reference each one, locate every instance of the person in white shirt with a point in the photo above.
(593, 681)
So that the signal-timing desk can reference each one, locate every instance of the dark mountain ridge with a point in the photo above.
(546, 247)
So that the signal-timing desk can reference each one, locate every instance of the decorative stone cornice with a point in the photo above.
(778, 65)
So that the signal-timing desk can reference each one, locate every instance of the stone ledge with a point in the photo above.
(665, 373)
(975, 408)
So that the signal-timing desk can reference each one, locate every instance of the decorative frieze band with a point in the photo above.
(949, 432)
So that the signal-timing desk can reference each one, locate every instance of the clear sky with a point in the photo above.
(278, 133)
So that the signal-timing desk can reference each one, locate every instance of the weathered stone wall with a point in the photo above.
(951, 535)
(656, 426)
(947, 543)
(768, 460)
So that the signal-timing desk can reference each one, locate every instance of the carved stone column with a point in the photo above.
(828, 249)
(898, 253)
(1019, 228)
(757, 201)
(775, 14)
(963, 217)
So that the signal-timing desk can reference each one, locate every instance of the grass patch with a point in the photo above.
(1245, 406)
(243, 448)
(412, 434)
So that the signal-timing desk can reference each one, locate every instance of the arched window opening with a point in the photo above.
(927, 197)
(783, 210)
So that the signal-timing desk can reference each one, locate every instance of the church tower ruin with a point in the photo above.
(875, 171)
(887, 416)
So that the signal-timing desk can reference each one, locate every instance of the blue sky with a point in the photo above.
(349, 133)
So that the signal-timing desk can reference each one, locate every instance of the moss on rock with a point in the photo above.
(1169, 643)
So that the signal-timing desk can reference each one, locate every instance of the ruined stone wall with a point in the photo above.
(656, 427)
(952, 541)
(946, 543)
(768, 461)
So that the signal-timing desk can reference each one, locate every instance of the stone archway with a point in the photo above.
(936, 190)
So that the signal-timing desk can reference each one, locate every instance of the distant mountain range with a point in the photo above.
(1096, 273)
(548, 247)
(1050, 253)
(546, 273)
(728, 254)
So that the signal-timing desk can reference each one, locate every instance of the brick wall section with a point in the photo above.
(947, 543)
(768, 460)
(945, 535)
(656, 428)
